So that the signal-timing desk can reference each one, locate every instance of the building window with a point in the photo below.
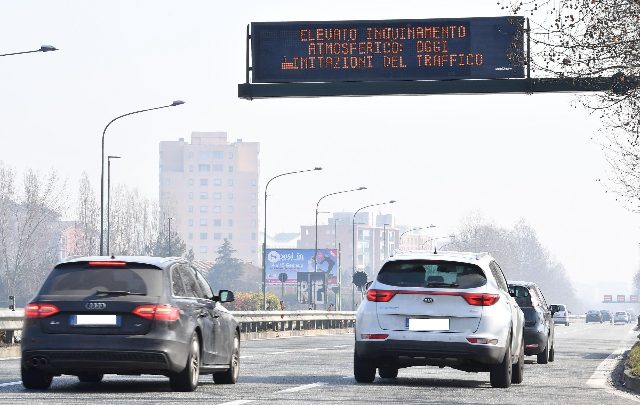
(203, 249)
(190, 208)
(230, 209)
(217, 222)
(230, 183)
(217, 154)
(217, 182)
(204, 196)
(217, 236)
(230, 236)
(230, 222)
(190, 168)
(230, 155)
(217, 196)
(253, 236)
(190, 195)
(254, 208)
(203, 222)
(191, 182)
(230, 169)
(190, 235)
(204, 208)
(190, 222)
(204, 182)
(217, 168)
(204, 168)
(254, 182)
(217, 209)
(230, 196)
(203, 235)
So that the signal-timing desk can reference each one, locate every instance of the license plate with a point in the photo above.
(427, 325)
(95, 320)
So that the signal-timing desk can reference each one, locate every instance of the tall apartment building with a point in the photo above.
(210, 189)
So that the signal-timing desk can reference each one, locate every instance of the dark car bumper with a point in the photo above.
(105, 354)
(393, 350)
(534, 337)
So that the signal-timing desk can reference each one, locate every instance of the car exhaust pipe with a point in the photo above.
(39, 362)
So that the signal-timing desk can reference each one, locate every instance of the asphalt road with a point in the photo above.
(319, 370)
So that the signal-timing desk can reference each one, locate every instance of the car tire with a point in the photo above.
(364, 371)
(388, 372)
(501, 373)
(566, 324)
(552, 353)
(517, 375)
(34, 379)
(543, 357)
(187, 379)
(231, 375)
(92, 378)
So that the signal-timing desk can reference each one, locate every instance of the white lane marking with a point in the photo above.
(245, 357)
(10, 384)
(9, 358)
(300, 350)
(238, 402)
(301, 388)
(599, 378)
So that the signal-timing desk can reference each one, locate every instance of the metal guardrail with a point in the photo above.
(252, 323)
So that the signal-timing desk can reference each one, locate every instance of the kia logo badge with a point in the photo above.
(428, 300)
(95, 305)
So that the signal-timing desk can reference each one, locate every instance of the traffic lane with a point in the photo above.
(319, 369)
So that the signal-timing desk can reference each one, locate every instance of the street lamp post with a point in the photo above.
(353, 236)
(175, 103)
(411, 230)
(384, 241)
(43, 48)
(315, 251)
(438, 238)
(169, 238)
(264, 243)
(109, 201)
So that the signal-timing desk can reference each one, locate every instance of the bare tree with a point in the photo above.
(29, 229)
(588, 39)
(86, 226)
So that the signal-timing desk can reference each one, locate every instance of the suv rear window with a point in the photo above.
(431, 274)
(81, 279)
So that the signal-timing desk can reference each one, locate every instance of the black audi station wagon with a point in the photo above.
(129, 315)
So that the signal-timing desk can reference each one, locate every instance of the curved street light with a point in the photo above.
(173, 104)
(264, 243)
(353, 237)
(411, 230)
(43, 48)
(452, 236)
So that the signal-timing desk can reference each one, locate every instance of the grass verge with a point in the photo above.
(634, 360)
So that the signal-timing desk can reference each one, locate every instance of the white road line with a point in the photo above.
(599, 378)
(9, 358)
(10, 384)
(238, 402)
(301, 388)
(245, 357)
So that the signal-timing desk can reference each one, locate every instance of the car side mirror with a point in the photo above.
(225, 296)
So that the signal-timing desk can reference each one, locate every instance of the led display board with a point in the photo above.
(384, 50)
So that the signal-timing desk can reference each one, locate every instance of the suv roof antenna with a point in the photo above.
(435, 249)
(113, 257)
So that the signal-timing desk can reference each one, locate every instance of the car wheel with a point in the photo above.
(231, 375)
(518, 368)
(187, 379)
(90, 378)
(34, 379)
(543, 358)
(364, 370)
(501, 374)
(388, 372)
(566, 324)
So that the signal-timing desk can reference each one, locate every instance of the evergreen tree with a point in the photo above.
(226, 269)
(163, 246)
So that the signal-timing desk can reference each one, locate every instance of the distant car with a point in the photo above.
(538, 320)
(130, 315)
(560, 314)
(607, 316)
(621, 317)
(593, 316)
(446, 309)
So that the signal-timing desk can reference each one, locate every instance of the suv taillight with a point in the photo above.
(480, 299)
(380, 295)
(157, 312)
(38, 310)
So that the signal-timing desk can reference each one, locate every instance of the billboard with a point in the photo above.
(633, 298)
(607, 298)
(620, 298)
(384, 50)
(292, 261)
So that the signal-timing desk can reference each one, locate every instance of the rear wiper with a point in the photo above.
(441, 284)
(118, 292)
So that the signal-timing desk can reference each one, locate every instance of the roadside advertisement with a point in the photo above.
(621, 298)
(292, 261)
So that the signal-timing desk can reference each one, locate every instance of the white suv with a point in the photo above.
(446, 309)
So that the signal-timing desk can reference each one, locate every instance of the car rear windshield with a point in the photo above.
(522, 295)
(431, 274)
(82, 280)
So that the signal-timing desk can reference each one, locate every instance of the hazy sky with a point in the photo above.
(441, 157)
